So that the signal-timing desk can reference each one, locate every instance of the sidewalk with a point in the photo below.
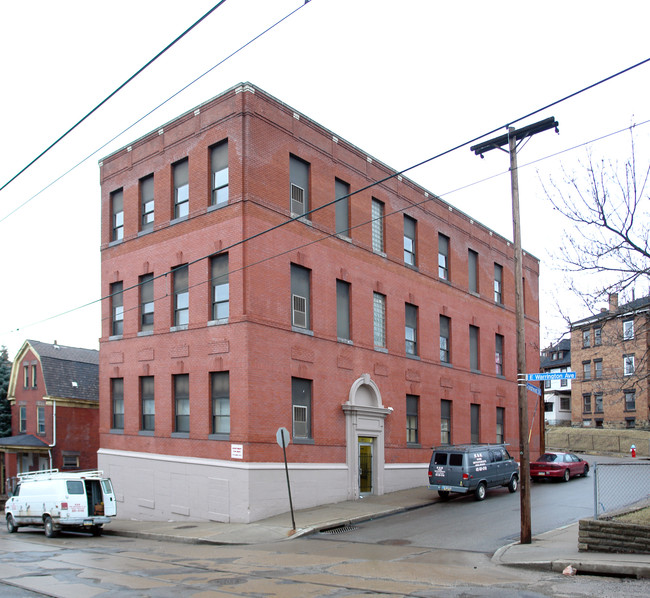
(552, 550)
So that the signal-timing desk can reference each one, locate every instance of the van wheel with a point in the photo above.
(444, 494)
(96, 530)
(514, 484)
(566, 476)
(48, 524)
(479, 493)
(12, 528)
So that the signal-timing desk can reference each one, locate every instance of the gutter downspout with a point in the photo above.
(53, 432)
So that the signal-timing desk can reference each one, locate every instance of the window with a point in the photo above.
(630, 422)
(565, 403)
(628, 330)
(409, 241)
(117, 215)
(300, 297)
(445, 339)
(411, 329)
(443, 257)
(564, 381)
(379, 320)
(181, 189)
(445, 422)
(146, 302)
(23, 419)
(598, 402)
(498, 282)
(342, 209)
(220, 287)
(475, 417)
(586, 338)
(301, 407)
(498, 353)
(34, 376)
(146, 203)
(117, 403)
(40, 420)
(220, 394)
(628, 365)
(586, 370)
(412, 419)
(598, 368)
(598, 336)
(219, 170)
(377, 226)
(25, 376)
(117, 309)
(70, 460)
(343, 310)
(474, 363)
(630, 400)
(501, 418)
(181, 403)
(472, 270)
(299, 179)
(181, 296)
(147, 404)
(586, 403)
(547, 384)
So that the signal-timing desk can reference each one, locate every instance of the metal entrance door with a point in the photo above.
(365, 465)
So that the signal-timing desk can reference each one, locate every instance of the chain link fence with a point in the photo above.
(619, 486)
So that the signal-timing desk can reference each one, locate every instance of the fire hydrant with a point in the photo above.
(633, 451)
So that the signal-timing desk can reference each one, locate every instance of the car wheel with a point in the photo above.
(96, 530)
(12, 528)
(48, 524)
(514, 484)
(566, 476)
(444, 494)
(585, 473)
(479, 493)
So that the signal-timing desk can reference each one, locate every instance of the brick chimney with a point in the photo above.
(613, 302)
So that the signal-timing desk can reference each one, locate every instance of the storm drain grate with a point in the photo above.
(339, 529)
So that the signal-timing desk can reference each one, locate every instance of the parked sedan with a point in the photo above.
(558, 465)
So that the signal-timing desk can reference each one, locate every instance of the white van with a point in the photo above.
(80, 500)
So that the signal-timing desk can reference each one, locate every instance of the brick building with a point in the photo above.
(261, 272)
(54, 396)
(609, 353)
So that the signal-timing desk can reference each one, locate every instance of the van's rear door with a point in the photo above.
(76, 500)
(110, 506)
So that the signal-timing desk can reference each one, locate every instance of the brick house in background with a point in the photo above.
(557, 393)
(609, 353)
(54, 397)
(261, 272)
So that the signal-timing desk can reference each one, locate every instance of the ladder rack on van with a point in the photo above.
(53, 474)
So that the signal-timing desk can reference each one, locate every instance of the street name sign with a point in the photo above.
(550, 376)
(533, 388)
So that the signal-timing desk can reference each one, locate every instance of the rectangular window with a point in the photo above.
(23, 419)
(498, 284)
(445, 339)
(598, 368)
(219, 172)
(146, 203)
(117, 403)
(181, 403)
(411, 329)
(379, 320)
(498, 353)
(472, 270)
(630, 422)
(300, 297)
(409, 241)
(301, 407)
(220, 394)
(181, 296)
(445, 422)
(586, 338)
(565, 403)
(181, 188)
(564, 382)
(342, 209)
(443, 257)
(474, 362)
(147, 404)
(628, 330)
(586, 403)
(70, 461)
(40, 420)
(598, 337)
(598, 402)
(299, 179)
(412, 419)
(117, 309)
(628, 365)
(630, 400)
(501, 421)
(475, 423)
(220, 287)
(377, 226)
(34, 376)
(586, 370)
(146, 302)
(343, 310)
(25, 376)
(117, 215)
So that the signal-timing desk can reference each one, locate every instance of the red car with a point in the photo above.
(558, 465)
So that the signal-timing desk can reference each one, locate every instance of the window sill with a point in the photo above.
(413, 445)
(178, 220)
(345, 341)
(145, 433)
(302, 331)
(414, 357)
(344, 238)
(115, 337)
(179, 328)
(218, 436)
(180, 435)
(381, 349)
(145, 333)
(301, 218)
(219, 322)
(146, 231)
(303, 440)
(117, 431)
(380, 253)
(446, 364)
(217, 206)
(117, 242)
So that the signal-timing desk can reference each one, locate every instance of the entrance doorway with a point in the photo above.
(365, 465)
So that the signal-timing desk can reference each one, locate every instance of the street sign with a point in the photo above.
(550, 376)
(534, 388)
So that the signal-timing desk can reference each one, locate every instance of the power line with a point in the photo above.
(108, 97)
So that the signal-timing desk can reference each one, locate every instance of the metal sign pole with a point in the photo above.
(283, 439)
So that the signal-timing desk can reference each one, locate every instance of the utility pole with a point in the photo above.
(511, 138)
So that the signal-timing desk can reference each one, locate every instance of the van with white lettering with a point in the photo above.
(57, 500)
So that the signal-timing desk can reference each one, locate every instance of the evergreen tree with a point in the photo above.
(5, 408)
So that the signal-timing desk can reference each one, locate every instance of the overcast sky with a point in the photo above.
(403, 81)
